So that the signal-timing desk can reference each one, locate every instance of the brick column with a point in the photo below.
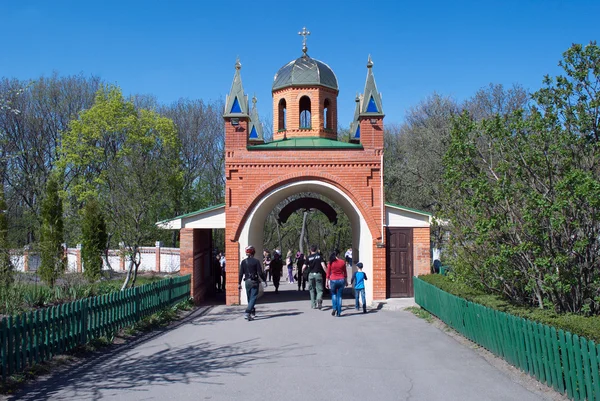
(379, 271)
(122, 256)
(78, 258)
(421, 251)
(157, 253)
(26, 258)
(232, 257)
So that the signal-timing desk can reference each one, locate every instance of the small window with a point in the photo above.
(305, 121)
(326, 115)
(282, 115)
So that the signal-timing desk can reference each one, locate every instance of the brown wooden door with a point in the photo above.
(400, 264)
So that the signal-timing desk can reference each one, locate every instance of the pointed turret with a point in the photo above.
(255, 128)
(236, 103)
(355, 125)
(371, 101)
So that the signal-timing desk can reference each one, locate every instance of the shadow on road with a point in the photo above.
(194, 362)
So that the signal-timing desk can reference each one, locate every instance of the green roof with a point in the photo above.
(408, 209)
(208, 209)
(305, 143)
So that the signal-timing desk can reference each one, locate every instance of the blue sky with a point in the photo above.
(175, 49)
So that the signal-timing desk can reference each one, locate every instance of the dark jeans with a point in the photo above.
(252, 293)
(337, 288)
(276, 279)
(359, 292)
(302, 279)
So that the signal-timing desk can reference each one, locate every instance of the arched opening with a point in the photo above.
(282, 115)
(327, 124)
(305, 121)
(357, 235)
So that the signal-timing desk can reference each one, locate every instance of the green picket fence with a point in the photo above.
(34, 337)
(566, 362)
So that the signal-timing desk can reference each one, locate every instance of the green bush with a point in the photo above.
(588, 327)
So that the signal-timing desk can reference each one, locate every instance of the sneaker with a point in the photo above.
(364, 309)
(319, 304)
(333, 312)
(247, 316)
(253, 313)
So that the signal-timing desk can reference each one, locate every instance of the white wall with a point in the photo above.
(169, 260)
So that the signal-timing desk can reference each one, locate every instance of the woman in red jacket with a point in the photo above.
(337, 279)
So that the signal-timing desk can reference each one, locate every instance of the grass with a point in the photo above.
(422, 313)
(586, 326)
(28, 293)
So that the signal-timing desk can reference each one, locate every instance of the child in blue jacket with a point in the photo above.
(358, 280)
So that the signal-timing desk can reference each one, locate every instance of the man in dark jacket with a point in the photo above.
(252, 273)
(316, 274)
(276, 269)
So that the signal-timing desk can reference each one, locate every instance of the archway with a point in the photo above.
(362, 240)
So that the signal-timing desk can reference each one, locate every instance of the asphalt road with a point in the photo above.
(289, 352)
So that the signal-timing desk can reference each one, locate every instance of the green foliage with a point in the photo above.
(94, 239)
(6, 266)
(53, 261)
(24, 295)
(522, 194)
(588, 327)
(128, 159)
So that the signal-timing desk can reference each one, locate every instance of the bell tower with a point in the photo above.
(305, 98)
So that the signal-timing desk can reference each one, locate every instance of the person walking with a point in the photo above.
(348, 257)
(217, 271)
(316, 274)
(337, 279)
(252, 273)
(223, 275)
(290, 266)
(300, 276)
(276, 269)
(267, 263)
(358, 280)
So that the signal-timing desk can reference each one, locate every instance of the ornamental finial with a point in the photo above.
(238, 65)
(369, 62)
(304, 33)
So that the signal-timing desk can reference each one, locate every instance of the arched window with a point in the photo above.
(282, 114)
(305, 112)
(327, 115)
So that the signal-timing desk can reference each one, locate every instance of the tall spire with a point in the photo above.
(236, 103)
(355, 124)
(371, 102)
(255, 129)
(304, 33)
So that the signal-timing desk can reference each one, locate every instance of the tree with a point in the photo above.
(523, 193)
(414, 152)
(94, 239)
(53, 262)
(31, 127)
(6, 266)
(128, 160)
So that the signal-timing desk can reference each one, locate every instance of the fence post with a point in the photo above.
(84, 315)
(170, 290)
(136, 301)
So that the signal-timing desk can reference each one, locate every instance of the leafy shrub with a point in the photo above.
(588, 327)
